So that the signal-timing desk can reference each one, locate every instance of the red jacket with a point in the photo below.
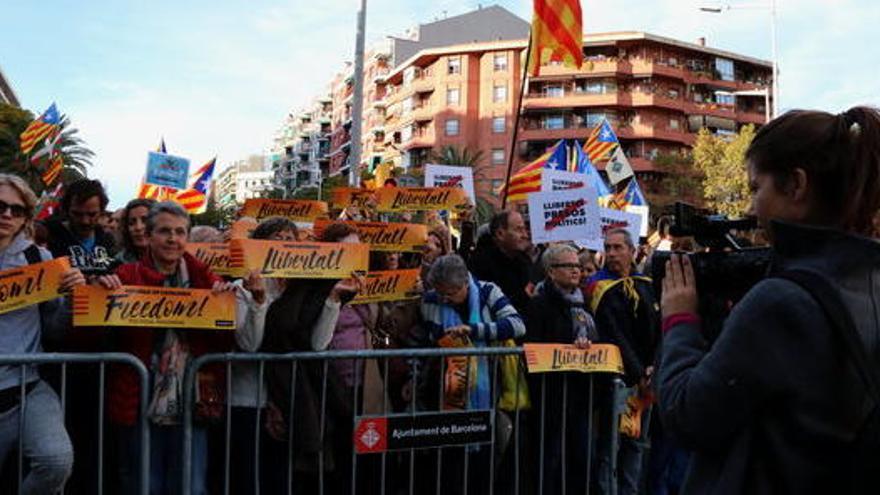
(123, 388)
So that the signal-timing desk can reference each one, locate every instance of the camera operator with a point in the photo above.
(783, 402)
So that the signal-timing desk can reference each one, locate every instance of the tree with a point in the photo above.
(680, 181)
(722, 161)
(460, 156)
(74, 153)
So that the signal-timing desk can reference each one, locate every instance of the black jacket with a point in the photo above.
(633, 326)
(63, 242)
(549, 317)
(512, 275)
(775, 404)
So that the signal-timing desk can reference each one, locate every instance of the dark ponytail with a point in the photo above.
(840, 155)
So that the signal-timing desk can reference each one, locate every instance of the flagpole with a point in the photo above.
(522, 90)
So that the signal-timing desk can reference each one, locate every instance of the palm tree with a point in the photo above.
(74, 153)
(461, 156)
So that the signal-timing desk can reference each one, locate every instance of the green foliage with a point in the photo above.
(722, 162)
(76, 156)
(460, 156)
(681, 181)
(215, 215)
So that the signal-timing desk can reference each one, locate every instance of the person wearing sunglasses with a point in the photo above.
(46, 445)
(557, 314)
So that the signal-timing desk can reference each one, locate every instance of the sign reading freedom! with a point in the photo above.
(389, 285)
(281, 259)
(31, 284)
(157, 307)
(391, 199)
(297, 210)
(542, 358)
(394, 237)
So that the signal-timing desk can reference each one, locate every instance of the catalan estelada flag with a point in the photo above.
(49, 202)
(630, 196)
(528, 179)
(39, 129)
(601, 143)
(557, 34)
(53, 170)
(195, 199)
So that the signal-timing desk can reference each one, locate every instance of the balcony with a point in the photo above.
(641, 66)
(418, 140)
(644, 131)
(535, 101)
(751, 116)
(709, 79)
(653, 100)
(604, 66)
(712, 109)
(422, 113)
(542, 134)
(422, 85)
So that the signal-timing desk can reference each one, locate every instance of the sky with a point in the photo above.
(216, 78)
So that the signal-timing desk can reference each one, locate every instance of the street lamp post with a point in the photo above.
(771, 6)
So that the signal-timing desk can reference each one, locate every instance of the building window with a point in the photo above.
(596, 87)
(454, 65)
(498, 156)
(499, 125)
(725, 99)
(554, 122)
(673, 124)
(593, 119)
(499, 62)
(452, 127)
(452, 96)
(496, 185)
(554, 91)
(499, 93)
(724, 68)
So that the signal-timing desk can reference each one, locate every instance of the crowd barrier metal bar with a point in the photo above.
(358, 356)
(101, 358)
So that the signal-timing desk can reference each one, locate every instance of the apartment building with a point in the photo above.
(242, 180)
(302, 149)
(656, 92)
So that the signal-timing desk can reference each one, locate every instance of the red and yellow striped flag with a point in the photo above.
(557, 34)
(53, 170)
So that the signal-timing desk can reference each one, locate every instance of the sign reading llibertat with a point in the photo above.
(282, 259)
(383, 236)
(297, 210)
(396, 199)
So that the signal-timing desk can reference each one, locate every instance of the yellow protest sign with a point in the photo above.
(390, 285)
(31, 284)
(215, 255)
(394, 237)
(242, 228)
(344, 197)
(599, 358)
(156, 307)
(393, 199)
(281, 259)
(298, 210)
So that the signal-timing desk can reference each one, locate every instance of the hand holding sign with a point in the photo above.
(347, 286)
(70, 279)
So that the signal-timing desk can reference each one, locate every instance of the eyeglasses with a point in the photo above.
(17, 211)
(570, 266)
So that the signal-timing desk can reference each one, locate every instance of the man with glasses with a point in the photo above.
(78, 234)
(627, 315)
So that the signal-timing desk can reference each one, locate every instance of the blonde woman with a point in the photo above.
(46, 445)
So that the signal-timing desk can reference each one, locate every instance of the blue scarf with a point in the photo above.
(478, 375)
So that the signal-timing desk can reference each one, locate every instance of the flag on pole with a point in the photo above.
(601, 142)
(585, 166)
(195, 199)
(528, 179)
(39, 129)
(48, 203)
(47, 150)
(618, 167)
(161, 148)
(53, 170)
(630, 196)
(556, 34)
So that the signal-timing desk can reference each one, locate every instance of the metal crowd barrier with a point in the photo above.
(404, 470)
(23, 361)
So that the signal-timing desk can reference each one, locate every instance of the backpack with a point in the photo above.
(863, 473)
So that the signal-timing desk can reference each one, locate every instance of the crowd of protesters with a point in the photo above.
(745, 414)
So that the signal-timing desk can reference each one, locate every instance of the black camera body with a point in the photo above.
(725, 272)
